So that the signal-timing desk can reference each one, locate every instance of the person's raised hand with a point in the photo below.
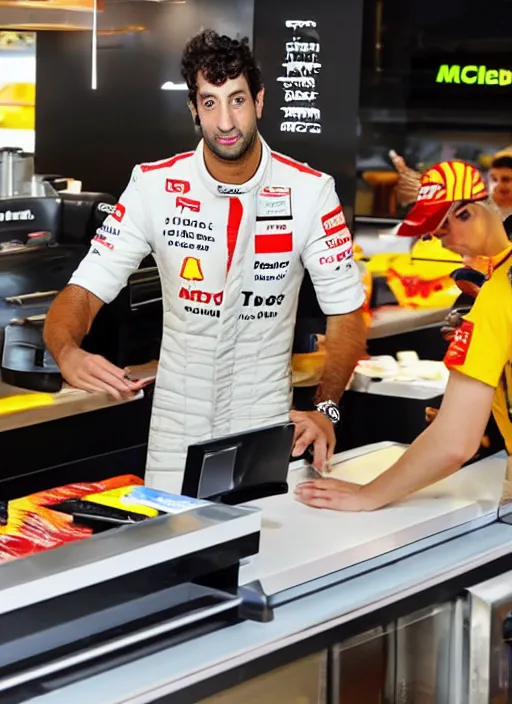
(409, 183)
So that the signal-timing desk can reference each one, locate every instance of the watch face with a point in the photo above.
(333, 413)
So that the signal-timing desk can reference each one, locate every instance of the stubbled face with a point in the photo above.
(500, 186)
(228, 116)
(466, 229)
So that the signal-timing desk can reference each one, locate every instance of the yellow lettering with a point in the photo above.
(448, 74)
(505, 78)
(491, 77)
(465, 77)
(474, 74)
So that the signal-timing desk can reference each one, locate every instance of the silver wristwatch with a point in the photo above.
(329, 409)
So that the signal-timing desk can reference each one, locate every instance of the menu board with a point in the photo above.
(309, 54)
(301, 69)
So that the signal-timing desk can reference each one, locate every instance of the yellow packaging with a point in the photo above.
(113, 498)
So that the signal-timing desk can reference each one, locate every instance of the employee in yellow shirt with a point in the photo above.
(453, 204)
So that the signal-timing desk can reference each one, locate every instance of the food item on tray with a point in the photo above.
(74, 491)
(43, 527)
(46, 519)
(407, 367)
(161, 500)
(115, 498)
(14, 546)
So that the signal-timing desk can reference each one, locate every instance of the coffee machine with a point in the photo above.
(44, 233)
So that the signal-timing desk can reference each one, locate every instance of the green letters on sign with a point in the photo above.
(471, 74)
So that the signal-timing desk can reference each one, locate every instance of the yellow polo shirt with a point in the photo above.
(482, 346)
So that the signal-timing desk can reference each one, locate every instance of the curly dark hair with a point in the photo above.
(219, 58)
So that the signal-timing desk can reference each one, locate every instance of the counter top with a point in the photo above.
(307, 372)
(67, 402)
(294, 537)
(299, 545)
(386, 321)
(70, 401)
(392, 320)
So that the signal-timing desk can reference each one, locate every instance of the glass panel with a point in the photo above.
(300, 682)
(419, 659)
(361, 668)
(429, 656)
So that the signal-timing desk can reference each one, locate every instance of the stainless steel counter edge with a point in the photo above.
(183, 665)
(128, 549)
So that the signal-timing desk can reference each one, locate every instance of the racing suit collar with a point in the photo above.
(226, 189)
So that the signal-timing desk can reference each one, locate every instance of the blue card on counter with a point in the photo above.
(167, 503)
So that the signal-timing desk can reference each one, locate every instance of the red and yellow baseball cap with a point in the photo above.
(441, 186)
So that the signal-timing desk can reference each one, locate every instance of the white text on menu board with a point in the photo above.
(299, 84)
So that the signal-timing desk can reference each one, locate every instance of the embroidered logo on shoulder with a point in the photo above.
(119, 212)
(176, 185)
(459, 346)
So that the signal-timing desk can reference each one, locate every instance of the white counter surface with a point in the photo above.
(299, 544)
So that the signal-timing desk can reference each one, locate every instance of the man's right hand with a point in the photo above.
(92, 372)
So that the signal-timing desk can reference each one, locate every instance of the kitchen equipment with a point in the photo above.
(64, 610)
(16, 171)
(25, 360)
(44, 233)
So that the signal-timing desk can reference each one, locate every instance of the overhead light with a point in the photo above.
(170, 85)
(94, 47)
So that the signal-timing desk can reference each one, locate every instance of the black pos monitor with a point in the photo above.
(239, 468)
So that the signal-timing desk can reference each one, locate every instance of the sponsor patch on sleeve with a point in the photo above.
(334, 221)
(459, 346)
(119, 212)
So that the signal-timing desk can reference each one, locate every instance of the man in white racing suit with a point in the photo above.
(231, 226)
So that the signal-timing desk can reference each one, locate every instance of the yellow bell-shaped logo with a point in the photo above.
(191, 269)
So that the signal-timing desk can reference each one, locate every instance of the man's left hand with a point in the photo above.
(313, 428)
(334, 494)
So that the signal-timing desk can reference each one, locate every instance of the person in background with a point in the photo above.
(232, 226)
(500, 181)
(453, 204)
